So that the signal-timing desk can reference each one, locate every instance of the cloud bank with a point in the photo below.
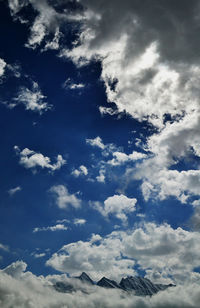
(20, 288)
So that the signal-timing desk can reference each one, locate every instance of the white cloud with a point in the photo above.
(28, 290)
(79, 221)
(12, 191)
(2, 67)
(32, 99)
(39, 255)
(57, 227)
(45, 23)
(117, 205)
(101, 177)
(166, 254)
(107, 110)
(63, 198)
(96, 142)
(82, 170)
(31, 160)
(16, 5)
(98, 258)
(120, 158)
(69, 84)
(149, 81)
(106, 149)
(15, 269)
(62, 221)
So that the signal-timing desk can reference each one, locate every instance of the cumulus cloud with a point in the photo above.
(98, 257)
(31, 99)
(57, 227)
(13, 191)
(20, 288)
(30, 159)
(82, 170)
(117, 205)
(147, 79)
(63, 198)
(167, 255)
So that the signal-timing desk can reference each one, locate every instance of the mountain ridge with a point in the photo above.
(138, 285)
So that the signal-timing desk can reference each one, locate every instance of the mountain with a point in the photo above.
(107, 283)
(141, 286)
(85, 278)
(138, 285)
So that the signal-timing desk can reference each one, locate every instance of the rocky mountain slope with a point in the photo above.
(140, 286)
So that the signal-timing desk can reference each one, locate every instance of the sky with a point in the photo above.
(100, 155)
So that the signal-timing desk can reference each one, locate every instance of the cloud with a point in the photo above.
(30, 159)
(20, 288)
(63, 198)
(101, 177)
(98, 257)
(46, 26)
(39, 255)
(15, 269)
(32, 99)
(148, 80)
(57, 227)
(79, 221)
(117, 205)
(136, 63)
(68, 84)
(4, 247)
(96, 142)
(106, 149)
(167, 255)
(2, 67)
(82, 170)
(12, 191)
(107, 110)
(121, 158)
(16, 5)
(178, 141)
(194, 220)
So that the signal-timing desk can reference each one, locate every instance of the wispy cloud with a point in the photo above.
(57, 227)
(12, 191)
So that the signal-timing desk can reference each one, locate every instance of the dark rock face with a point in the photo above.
(64, 287)
(85, 278)
(107, 283)
(138, 285)
(141, 286)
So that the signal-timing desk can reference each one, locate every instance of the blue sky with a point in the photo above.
(99, 115)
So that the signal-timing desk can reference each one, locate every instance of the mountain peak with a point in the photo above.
(85, 278)
(107, 283)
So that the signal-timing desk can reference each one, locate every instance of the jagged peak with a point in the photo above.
(85, 278)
